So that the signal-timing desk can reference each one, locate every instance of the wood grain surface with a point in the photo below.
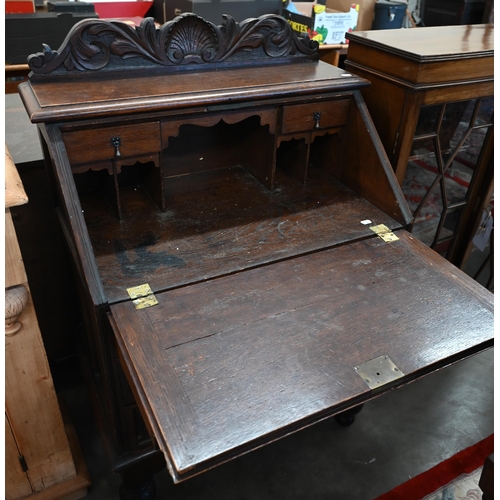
(444, 55)
(16, 480)
(230, 364)
(434, 42)
(47, 102)
(219, 222)
(14, 191)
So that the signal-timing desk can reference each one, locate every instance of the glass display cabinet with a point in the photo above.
(431, 100)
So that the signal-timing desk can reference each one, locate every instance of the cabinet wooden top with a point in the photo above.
(432, 43)
(425, 58)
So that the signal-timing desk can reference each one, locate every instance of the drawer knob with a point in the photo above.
(116, 142)
(316, 117)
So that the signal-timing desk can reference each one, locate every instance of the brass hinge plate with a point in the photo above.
(142, 296)
(384, 232)
(378, 371)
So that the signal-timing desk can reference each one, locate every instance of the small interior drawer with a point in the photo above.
(96, 144)
(302, 117)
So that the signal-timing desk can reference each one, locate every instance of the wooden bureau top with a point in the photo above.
(81, 99)
(107, 68)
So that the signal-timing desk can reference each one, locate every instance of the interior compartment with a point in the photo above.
(220, 221)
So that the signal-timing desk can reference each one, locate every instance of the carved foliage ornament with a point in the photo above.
(188, 39)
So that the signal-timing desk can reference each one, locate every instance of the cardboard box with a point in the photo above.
(334, 18)
(365, 14)
(319, 21)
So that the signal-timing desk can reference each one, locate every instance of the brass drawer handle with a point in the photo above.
(316, 117)
(116, 142)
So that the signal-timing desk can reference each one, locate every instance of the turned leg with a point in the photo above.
(347, 417)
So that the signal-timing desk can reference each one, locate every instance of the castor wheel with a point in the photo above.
(348, 417)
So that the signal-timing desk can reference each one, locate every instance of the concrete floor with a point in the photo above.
(394, 438)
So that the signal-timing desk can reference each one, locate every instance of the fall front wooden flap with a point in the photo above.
(223, 366)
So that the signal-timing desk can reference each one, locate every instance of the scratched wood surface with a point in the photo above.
(219, 222)
(227, 365)
(73, 100)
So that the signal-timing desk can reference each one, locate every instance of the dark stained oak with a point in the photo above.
(218, 222)
(187, 40)
(228, 364)
(187, 92)
(244, 195)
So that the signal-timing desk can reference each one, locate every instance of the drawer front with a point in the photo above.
(85, 146)
(318, 115)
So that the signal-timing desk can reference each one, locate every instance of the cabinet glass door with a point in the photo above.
(443, 166)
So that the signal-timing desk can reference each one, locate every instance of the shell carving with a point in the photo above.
(96, 44)
(193, 41)
(16, 300)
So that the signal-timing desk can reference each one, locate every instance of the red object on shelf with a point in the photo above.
(113, 10)
(19, 6)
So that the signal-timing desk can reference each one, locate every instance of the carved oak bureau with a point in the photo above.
(238, 240)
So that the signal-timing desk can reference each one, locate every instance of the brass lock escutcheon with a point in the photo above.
(316, 118)
(116, 142)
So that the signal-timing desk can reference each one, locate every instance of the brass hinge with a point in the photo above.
(24, 465)
(142, 296)
(384, 232)
(378, 371)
